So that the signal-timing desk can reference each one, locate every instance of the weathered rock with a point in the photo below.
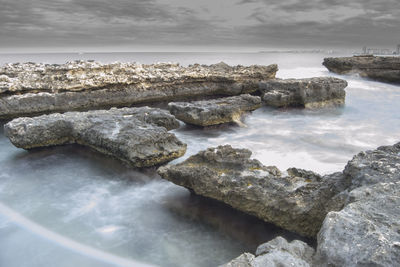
(296, 201)
(367, 231)
(362, 227)
(135, 135)
(215, 111)
(276, 253)
(30, 88)
(385, 69)
(308, 93)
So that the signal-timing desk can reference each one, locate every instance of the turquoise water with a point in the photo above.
(70, 206)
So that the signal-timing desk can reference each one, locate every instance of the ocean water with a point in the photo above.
(70, 206)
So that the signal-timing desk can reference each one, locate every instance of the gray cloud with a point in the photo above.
(247, 23)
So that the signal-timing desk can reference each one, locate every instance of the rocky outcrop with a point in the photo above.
(296, 201)
(309, 93)
(215, 111)
(138, 136)
(366, 232)
(385, 69)
(276, 253)
(30, 88)
(361, 204)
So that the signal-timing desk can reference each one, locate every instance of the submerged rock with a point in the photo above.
(295, 201)
(367, 231)
(276, 253)
(30, 88)
(138, 136)
(385, 69)
(308, 93)
(215, 111)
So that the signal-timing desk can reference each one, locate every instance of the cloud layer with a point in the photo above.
(206, 23)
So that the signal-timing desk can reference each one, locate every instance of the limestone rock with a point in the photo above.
(308, 93)
(138, 136)
(385, 69)
(31, 88)
(276, 253)
(215, 111)
(367, 231)
(295, 201)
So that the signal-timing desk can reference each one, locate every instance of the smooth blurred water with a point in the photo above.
(70, 206)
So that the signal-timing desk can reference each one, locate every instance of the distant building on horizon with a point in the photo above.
(380, 51)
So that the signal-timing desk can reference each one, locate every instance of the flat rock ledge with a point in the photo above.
(31, 88)
(138, 136)
(215, 111)
(384, 69)
(295, 201)
(276, 253)
(360, 207)
(314, 92)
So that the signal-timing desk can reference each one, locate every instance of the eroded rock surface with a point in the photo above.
(309, 93)
(367, 231)
(31, 88)
(276, 253)
(215, 111)
(385, 69)
(138, 136)
(296, 201)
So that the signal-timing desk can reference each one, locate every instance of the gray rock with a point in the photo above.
(385, 69)
(276, 253)
(296, 201)
(29, 88)
(367, 231)
(308, 93)
(138, 136)
(244, 260)
(215, 111)
(362, 225)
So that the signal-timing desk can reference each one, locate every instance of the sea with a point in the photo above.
(71, 206)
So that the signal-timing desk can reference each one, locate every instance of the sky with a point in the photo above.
(201, 25)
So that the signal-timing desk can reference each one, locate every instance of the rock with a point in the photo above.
(308, 93)
(384, 69)
(276, 253)
(215, 111)
(361, 204)
(30, 88)
(367, 231)
(138, 136)
(296, 201)
(244, 260)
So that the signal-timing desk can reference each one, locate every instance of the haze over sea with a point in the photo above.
(67, 206)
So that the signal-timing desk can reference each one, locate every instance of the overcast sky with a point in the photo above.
(201, 24)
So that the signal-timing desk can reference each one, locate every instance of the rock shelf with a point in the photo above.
(215, 111)
(354, 214)
(31, 88)
(137, 136)
(308, 93)
(384, 69)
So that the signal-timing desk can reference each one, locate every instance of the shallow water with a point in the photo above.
(70, 206)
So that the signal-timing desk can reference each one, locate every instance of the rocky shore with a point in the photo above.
(384, 69)
(138, 136)
(216, 111)
(354, 214)
(30, 88)
(308, 93)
